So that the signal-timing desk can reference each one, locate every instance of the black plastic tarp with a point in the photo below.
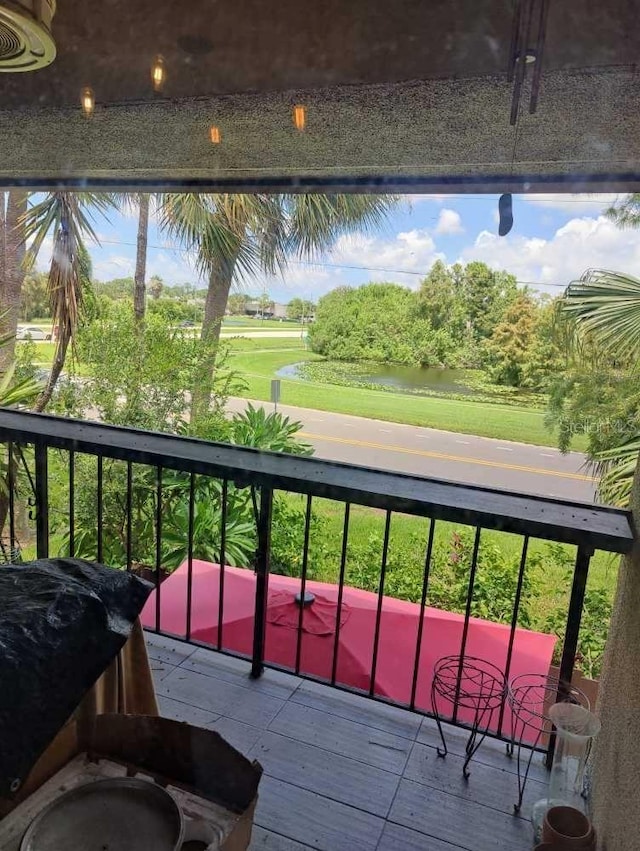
(62, 622)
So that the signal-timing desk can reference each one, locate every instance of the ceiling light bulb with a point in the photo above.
(300, 117)
(87, 101)
(215, 135)
(158, 73)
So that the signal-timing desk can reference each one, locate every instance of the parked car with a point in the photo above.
(32, 333)
(187, 323)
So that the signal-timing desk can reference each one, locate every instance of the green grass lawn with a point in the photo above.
(506, 422)
(258, 360)
(257, 323)
(365, 522)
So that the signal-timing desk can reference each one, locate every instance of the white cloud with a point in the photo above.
(385, 259)
(357, 259)
(172, 266)
(574, 203)
(580, 244)
(305, 280)
(113, 266)
(449, 222)
(421, 199)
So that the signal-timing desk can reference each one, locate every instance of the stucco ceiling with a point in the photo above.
(410, 92)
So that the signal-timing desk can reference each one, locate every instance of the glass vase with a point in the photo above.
(575, 730)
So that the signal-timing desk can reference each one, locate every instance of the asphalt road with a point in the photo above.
(442, 454)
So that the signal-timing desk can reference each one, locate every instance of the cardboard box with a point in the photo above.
(209, 778)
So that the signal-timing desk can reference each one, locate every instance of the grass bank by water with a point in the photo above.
(486, 419)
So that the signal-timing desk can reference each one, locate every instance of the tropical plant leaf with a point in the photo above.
(626, 211)
(615, 469)
(605, 306)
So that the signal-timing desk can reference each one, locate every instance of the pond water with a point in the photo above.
(402, 379)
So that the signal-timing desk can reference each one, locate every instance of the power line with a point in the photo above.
(521, 197)
(324, 265)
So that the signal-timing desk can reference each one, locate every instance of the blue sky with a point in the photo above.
(553, 240)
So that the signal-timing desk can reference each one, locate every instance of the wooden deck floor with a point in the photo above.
(341, 771)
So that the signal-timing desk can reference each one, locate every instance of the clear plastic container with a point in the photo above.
(575, 728)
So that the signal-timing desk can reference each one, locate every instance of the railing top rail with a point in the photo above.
(593, 526)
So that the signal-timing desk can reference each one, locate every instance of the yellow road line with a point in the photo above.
(425, 453)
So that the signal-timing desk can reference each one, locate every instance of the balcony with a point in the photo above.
(350, 761)
(342, 771)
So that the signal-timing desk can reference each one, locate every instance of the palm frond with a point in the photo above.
(46, 216)
(259, 233)
(625, 212)
(67, 218)
(605, 306)
(19, 393)
(615, 468)
(318, 220)
(212, 227)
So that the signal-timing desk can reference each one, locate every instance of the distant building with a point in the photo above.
(273, 310)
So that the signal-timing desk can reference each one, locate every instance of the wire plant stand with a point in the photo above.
(467, 683)
(530, 696)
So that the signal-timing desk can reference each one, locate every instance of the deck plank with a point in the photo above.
(167, 650)
(397, 838)
(486, 785)
(220, 697)
(179, 711)
(266, 840)
(332, 775)
(358, 741)
(354, 707)
(458, 821)
(491, 751)
(315, 820)
(237, 672)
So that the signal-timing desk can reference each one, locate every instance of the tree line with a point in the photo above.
(232, 238)
(467, 316)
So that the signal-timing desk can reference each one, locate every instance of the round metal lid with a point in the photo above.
(119, 814)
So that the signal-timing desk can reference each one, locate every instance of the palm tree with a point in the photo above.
(139, 285)
(604, 308)
(235, 237)
(66, 218)
(12, 251)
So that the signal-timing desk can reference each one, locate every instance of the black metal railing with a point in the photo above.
(126, 459)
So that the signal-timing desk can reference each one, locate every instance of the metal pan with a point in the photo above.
(119, 814)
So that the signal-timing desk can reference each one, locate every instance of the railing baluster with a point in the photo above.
(158, 543)
(343, 565)
(223, 558)
(192, 496)
(303, 582)
(100, 508)
(423, 602)
(72, 503)
(576, 602)
(572, 632)
(514, 622)
(383, 572)
(467, 615)
(129, 513)
(11, 484)
(42, 500)
(262, 580)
